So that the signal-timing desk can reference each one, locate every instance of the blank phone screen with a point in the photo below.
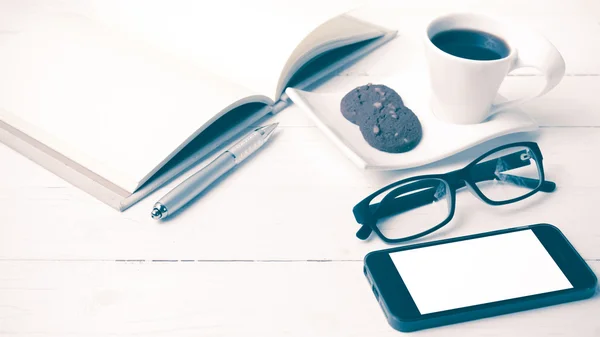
(477, 271)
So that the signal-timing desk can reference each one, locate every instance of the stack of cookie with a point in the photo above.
(384, 121)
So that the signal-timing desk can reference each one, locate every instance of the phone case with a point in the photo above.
(491, 309)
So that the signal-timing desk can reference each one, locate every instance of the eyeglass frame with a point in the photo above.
(455, 180)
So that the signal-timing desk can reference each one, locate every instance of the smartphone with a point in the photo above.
(449, 281)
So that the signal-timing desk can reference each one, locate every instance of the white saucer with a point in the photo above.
(440, 139)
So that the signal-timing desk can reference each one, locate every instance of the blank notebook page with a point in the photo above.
(104, 101)
(247, 42)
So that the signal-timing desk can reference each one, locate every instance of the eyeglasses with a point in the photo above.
(414, 207)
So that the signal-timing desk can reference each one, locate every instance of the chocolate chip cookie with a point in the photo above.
(392, 129)
(363, 101)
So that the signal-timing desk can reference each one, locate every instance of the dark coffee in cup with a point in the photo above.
(471, 44)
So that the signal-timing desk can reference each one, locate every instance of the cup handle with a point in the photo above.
(535, 51)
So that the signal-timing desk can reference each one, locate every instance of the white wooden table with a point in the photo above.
(271, 251)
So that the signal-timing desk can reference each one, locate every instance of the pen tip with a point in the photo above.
(156, 214)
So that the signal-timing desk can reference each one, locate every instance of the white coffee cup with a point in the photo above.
(463, 90)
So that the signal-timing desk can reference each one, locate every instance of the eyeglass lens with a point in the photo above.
(412, 208)
(508, 174)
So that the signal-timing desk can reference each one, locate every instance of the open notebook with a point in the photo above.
(118, 107)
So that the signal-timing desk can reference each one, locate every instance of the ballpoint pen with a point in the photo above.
(200, 180)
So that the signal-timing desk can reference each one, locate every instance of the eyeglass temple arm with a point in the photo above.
(489, 170)
(483, 171)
